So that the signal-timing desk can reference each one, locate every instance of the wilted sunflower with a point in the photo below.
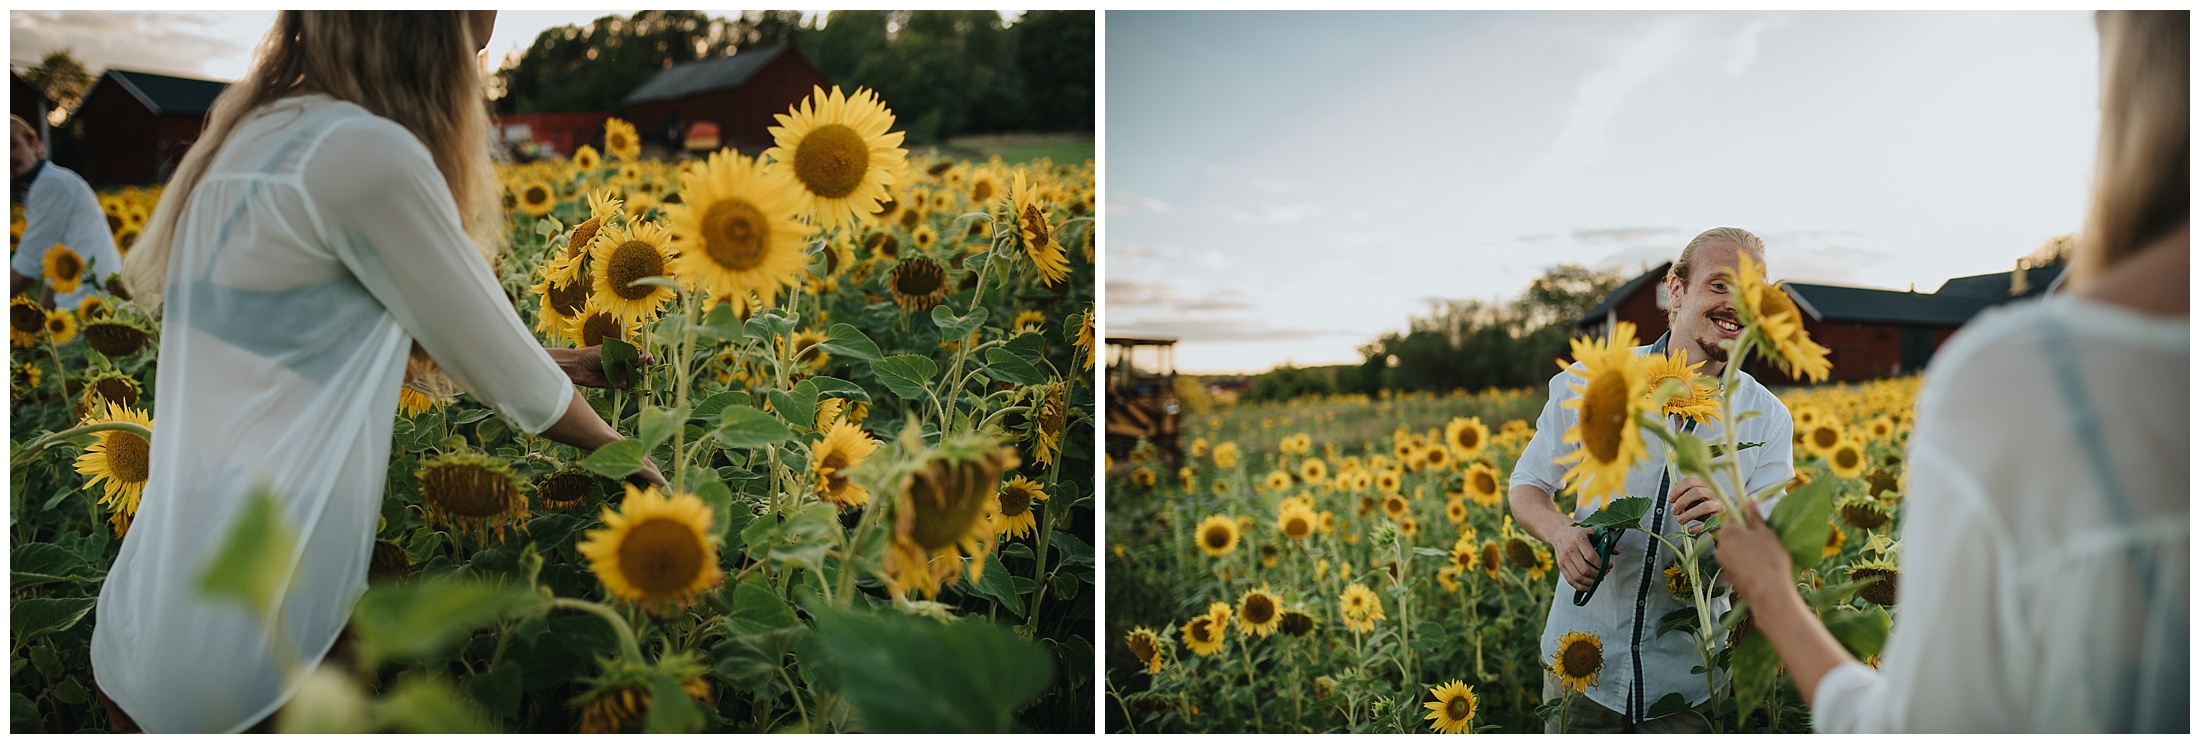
(26, 321)
(1452, 712)
(1696, 399)
(1203, 635)
(619, 140)
(624, 255)
(594, 324)
(1053, 404)
(1360, 608)
(1217, 535)
(844, 446)
(939, 514)
(1258, 612)
(838, 149)
(1015, 519)
(619, 700)
(112, 386)
(735, 229)
(1863, 511)
(1146, 646)
(119, 463)
(1037, 231)
(1465, 437)
(918, 284)
(1579, 657)
(116, 337)
(60, 326)
(569, 489)
(1773, 317)
(1882, 591)
(655, 551)
(1847, 459)
(64, 269)
(1083, 327)
(1295, 519)
(536, 198)
(1610, 396)
(472, 493)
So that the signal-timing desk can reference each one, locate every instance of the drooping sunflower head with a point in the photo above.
(1773, 317)
(624, 255)
(735, 228)
(1865, 512)
(619, 139)
(1452, 712)
(1610, 396)
(838, 149)
(1035, 226)
(63, 269)
(1295, 623)
(918, 284)
(116, 337)
(473, 494)
(655, 551)
(1216, 535)
(1147, 647)
(1465, 437)
(1258, 612)
(1492, 558)
(1519, 552)
(940, 512)
(119, 463)
(1579, 657)
(568, 490)
(26, 321)
(112, 386)
(1883, 572)
(1053, 403)
(1015, 518)
(844, 447)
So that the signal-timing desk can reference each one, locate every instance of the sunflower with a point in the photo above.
(838, 149)
(1448, 578)
(1578, 659)
(1394, 506)
(1492, 558)
(1203, 635)
(1452, 712)
(1217, 535)
(1865, 512)
(1455, 510)
(1084, 342)
(1696, 399)
(1029, 321)
(1835, 538)
(1226, 456)
(116, 337)
(1144, 477)
(619, 139)
(594, 324)
(1296, 519)
(844, 446)
(1037, 231)
(983, 186)
(1295, 623)
(1847, 459)
(1014, 519)
(536, 197)
(562, 299)
(1389, 481)
(64, 269)
(26, 321)
(112, 386)
(587, 160)
(940, 526)
(60, 326)
(1610, 396)
(1823, 436)
(1328, 522)
(119, 463)
(1435, 457)
(1258, 612)
(1483, 485)
(924, 237)
(1466, 436)
(1772, 316)
(1360, 608)
(1882, 591)
(802, 348)
(918, 284)
(1543, 563)
(569, 489)
(1146, 646)
(624, 255)
(1464, 553)
(1053, 402)
(735, 228)
(656, 551)
(472, 493)
(1276, 480)
(602, 206)
(27, 377)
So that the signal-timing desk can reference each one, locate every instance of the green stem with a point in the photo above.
(796, 693)
(847, 553)
(628, 648)
(30, 451)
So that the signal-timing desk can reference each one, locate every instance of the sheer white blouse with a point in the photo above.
(322, 242)
(2046, 543)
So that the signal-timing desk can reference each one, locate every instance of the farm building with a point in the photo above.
(1869, 332)
(560, 132)
(27, 102)
(138, 124)
(739, 94)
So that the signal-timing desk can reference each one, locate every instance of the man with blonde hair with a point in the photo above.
(59, 208)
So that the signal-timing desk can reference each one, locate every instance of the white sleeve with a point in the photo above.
(380, 202)
(1537, 466)
(44, 224)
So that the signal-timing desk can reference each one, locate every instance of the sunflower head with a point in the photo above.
(1611, 394)
(1204, 634)
(622, 257)
(1216, 535)
(119, 463)
(844, 447)
(1258, 612)
(735, 228)
(941, 509)
(1452, 711)
(117, 337)
(61, 326)
(569, 490)
(64, 269)
(619, 139)
(1773, 318)
(1296, 519)
(839, 151)
(1847, 459)
(1360, 607)
(26, 321)
(1865, 512)
(1147, 647)
(1466, 436)
(1883, 572)
(1694, 397)
(656, 551)
(1015, 516)
(1035, 226)
(535, 197)
(918, 284)
(472, 493)
(1579, 657)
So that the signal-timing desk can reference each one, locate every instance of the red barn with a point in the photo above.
(138, 124)
(739, 93)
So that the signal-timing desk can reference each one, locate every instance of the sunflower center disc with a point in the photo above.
(1846, 458)
(634, 260)
(128, 456)
(919, 279)
(1015, 501)
(735, 235)
(1521, 555)
(660, 557)
(1604, 415)
(1216, 537)
(1484, 482)
(1825, 437)
(68, 267)
(26, 319)
(1469, 438)
(981, 191)
(568, 299)
(118, 390)
(1200, 630)
(1582, 659)
(537, 195)
(583, 234)
(1035, 226)
(1296, 527)
(1458, 709)
(1259, 609)
(831, 161)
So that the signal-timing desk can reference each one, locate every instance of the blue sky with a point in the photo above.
(1285, 186)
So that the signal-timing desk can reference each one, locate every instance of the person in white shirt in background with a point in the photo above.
(58, 207)
(2046, 576)
(1641, 667)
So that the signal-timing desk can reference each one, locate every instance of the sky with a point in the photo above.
(1282, 187)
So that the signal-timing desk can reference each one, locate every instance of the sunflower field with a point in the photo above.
(1347, 564)
(863, 371)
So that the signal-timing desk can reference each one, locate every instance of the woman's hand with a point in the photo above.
(1752, 557)
(585, 366)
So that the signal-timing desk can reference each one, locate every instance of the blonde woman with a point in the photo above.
(2046, 548)
(336, 211)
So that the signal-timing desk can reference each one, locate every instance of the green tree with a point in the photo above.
(63, 80)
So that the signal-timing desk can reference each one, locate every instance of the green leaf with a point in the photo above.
(709, 408)
(1670, 704)
(830, 387)
(1073, 551)
(770, 323)
(1683, 618)
(671, 711)
(31, 564)
(1026, 347)
(469, 416)
(721, 324)
(657, 425)
(255, 559)
(32, 618)
(616, 460)
(548, 226)
(421, 705)
(719, 498)
(23, 715)
(1621, 513)
(621, 362)
(743, 427)
(399, 622)
(1862, 633)
(758, 609)
(1756, 668)
(1719, 450)
(805, 538)
(908, 674)
(845, 340)
(798, 405)
(1803, 518)
(956, 328)
(907, 375)
(1007, 367)
(751, 661)
(999, 586)
(497, 691)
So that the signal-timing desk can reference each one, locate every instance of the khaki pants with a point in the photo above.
(1585, 716)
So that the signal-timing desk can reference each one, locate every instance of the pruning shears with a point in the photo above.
(1606, 540)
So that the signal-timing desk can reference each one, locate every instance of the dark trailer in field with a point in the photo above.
(1142, 403)
(739, 94)
(137, 125)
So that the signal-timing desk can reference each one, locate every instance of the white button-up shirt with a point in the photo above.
(1640, 667)
(61, 208)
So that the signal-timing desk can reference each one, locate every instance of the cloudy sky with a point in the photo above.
(1285, 186)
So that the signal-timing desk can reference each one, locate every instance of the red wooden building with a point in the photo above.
(1869, 333)
(739, 93)
(138, 124)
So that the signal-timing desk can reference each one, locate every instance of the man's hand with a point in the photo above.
(1577, 556)
(585, 366)
(1693, 502)
(1751, 555)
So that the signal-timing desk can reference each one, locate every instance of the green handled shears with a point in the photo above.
(1606, 540)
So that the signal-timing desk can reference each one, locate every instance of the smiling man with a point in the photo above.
(1632, 665)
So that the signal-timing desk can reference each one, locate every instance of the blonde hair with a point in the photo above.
(2142, 187)
(1714, 236)
(416, 68)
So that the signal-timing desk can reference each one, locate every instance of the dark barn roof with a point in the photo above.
(1995, 286)
(702, 76)
(1596, 314)
(1832, 303)
(168, 95)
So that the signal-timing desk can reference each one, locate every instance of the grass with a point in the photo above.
(1063, 149)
